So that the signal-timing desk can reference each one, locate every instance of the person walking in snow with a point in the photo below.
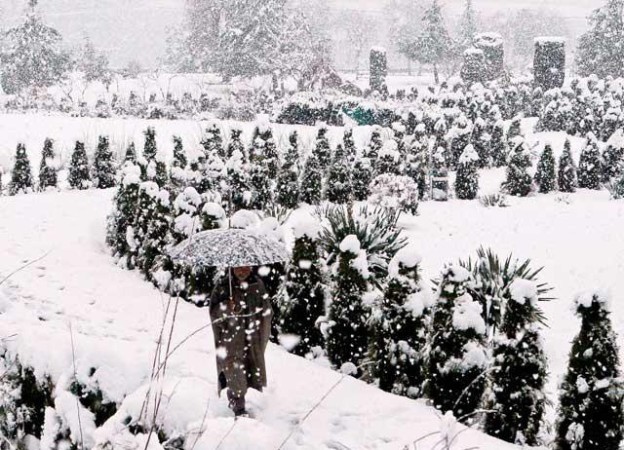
(241, 315)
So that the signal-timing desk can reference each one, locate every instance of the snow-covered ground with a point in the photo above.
(114, 317)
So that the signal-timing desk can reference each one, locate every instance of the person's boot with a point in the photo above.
(237, 404)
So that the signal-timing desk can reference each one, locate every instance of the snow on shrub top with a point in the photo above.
(244, 219)
(361, 264)
(523, 290)
(378, 49)
(418, 301)
(458, 274)
(474, 355)
(263, 123)
(131, 174)
(188, 200)
(407, 257)
(587, 299)
(398, 127)
(306, 225)
(390, 148)
(350, 244)
(214, 210)
(541, 40)
(469, 155)
(467, 315)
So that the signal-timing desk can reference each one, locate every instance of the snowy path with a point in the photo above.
(116, 316)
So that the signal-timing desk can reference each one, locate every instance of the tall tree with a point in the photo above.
(601, 49)
(434, 43)
(104, 171)
(468, 26)
(93, 64)
(32, 54)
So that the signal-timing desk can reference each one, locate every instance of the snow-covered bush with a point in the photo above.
(21, 175)
(395, 192)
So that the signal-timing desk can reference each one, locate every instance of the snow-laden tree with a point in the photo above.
(518, 181)
(590, 403)
(213, 141)
(322, 150)
(186, 211)
(93, 64)
(600, 50)
(237, 182)
(467, 180)
(458, 358)
(311, 188)
(104, 168)
(304, 302)
(566, 174)
(589, 169)
(48, 178)
(362, 178)
(235, 143)
(121, 222)
(467, 26)
(400, 327)
(498, 145)
(347, 330)
(32, 55)
(131, 154)
(516, 398)
(339, 188)
(287, 189)
(613, 157)
(433, 44)
(79, 174)
(21, 175)
(545, 176)
(417, 166)
(389, 161)
(153, 225)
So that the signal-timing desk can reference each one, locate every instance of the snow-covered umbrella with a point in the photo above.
(229, 248)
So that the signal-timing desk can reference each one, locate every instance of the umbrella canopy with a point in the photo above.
(229, 248)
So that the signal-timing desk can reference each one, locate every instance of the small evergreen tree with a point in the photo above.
(288, 181)
(104, 172)
(339, 185)
(235, 143)
(322, 150)
(157, 219)
(589, 170)
(467, 181)
(79, 176)
(545, 175)
(398, 345)
(311, 181)
(349, 146)
(347, 334)
(362, 179)
(121, 222)
(590, 403)
(261, 186)
(457, 359)
(21, 176)
(566, 175)
(498, 145)
(389, 160)
(150, 150)
(374, 147)
(516, 398)
(304, 302)
(179, 155)
(613, 157)
(213, 142)
(131, 155)
(518, 181)
(47, 171)
(418, 166)
(237, 180)
(515, 130)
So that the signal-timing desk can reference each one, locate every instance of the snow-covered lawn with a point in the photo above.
(115, 318)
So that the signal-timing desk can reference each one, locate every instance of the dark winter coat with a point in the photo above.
(242, 326)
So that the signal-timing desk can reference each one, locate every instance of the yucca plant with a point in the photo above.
(492, 278)
(376, 229)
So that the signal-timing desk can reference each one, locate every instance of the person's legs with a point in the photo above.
(236, 402)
